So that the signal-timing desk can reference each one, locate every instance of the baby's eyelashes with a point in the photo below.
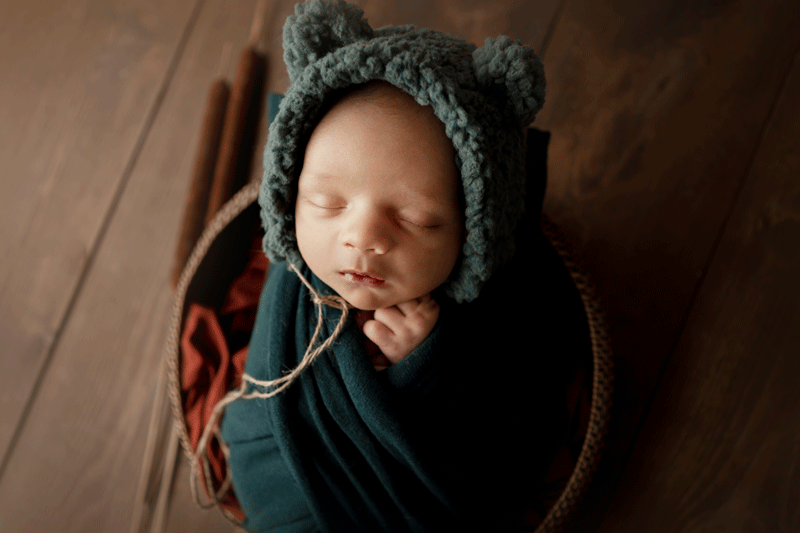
(418, 226)
(326, 207)
(422, 219)
(324, 202)
(332, 205)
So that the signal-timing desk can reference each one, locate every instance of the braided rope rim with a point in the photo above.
(602, 387)
(602, 381)
(232, 208)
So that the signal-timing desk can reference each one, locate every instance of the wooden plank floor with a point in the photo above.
(674, 168)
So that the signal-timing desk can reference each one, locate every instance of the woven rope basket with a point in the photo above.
(602, 380)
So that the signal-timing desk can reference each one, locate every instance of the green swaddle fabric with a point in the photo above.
(459, 434)
(455, 437)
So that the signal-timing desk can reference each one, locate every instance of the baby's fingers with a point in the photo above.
(399, 329)
(408, 329)
(424, 305)
(379, 333)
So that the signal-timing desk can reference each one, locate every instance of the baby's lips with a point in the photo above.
(363, 278)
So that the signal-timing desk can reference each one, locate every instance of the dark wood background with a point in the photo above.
(674, 168)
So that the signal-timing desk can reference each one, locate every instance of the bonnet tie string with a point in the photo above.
(270, 388)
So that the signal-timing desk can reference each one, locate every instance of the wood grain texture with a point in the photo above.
(78, 81)
(76, 465)
(656, 111)
(471, 20)
(720, 450)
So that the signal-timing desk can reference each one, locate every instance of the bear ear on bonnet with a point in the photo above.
(506, 66)
(486, 97)
(317, 28)
(503, 65)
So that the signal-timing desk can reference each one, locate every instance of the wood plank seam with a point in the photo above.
(106, 222)
(551, 29)
(730, 394)
(713, 252)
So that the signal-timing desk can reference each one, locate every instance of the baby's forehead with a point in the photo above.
(387, 98)
(380, 121)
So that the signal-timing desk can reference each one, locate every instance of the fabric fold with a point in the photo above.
(213, 353)
(444, 439)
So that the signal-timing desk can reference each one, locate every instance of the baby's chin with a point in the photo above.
(367, 302)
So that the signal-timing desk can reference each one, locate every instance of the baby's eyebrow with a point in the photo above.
(420, 199)
(317, 178)
(428, 200)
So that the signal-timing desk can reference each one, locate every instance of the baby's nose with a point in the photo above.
(368, 231)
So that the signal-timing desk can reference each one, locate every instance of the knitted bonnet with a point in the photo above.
(485, 96)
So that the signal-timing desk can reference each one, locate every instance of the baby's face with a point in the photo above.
(377, 214)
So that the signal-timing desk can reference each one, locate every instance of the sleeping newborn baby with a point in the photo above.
(378, 217)
(395, 218)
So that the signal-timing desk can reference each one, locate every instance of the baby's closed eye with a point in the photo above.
(421, 220)
(325, 202)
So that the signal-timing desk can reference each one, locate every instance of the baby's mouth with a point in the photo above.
(362, 278)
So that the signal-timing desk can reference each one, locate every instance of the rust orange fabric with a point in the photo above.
(213, 354)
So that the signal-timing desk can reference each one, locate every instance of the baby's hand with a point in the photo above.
(399, 329)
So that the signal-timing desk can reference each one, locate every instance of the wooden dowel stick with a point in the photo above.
(205, 161)
(235, 148)
(257, 28)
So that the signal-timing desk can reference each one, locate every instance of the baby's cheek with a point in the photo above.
(311, 240)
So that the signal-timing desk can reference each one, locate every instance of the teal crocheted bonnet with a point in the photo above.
(485, 96)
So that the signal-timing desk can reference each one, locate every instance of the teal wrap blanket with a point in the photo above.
(457, 436)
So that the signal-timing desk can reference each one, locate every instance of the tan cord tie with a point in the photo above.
(277, 386)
